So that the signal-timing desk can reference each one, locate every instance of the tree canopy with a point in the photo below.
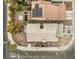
(14, 26)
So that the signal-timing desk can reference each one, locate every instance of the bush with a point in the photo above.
(18, 7)
(14, 27)
(15, 6)
(11, 14)
(12, 47)
(6, 1)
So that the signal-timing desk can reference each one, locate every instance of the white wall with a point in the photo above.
(48, 33)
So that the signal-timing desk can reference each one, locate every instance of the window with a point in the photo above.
(68, 5)
(57, 2)
(37, 12)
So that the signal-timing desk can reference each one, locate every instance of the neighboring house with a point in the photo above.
(44, 10)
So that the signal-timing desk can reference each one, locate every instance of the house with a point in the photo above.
(47, 32)
(45, 10)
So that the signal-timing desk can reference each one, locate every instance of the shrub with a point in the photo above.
(6, 1)
(11, 14)
(14, 27)
(17, 6)
(12, 47)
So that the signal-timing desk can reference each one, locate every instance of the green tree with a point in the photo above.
(11, 14)
(7, 1)
(16, 6)
(14, 27)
